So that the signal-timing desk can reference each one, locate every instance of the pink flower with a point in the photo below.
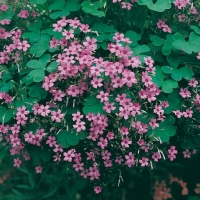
(44, 110)
(23, 45)
(77, 116)
(79, 126)
(125, 142)
(198, 56)
(97, 189)
(17, 162)
(103, 96)
(57, 116)
(108, 107)
(23, 14)
(51, 141)
(156, 156)
(3, 7)
(68, 34)
(144, 161)
(193, 82)
(153, 123)
(102, 142)
(186, 153)
(96, 82)
(130, 159)
(69, 155)
(38, 169)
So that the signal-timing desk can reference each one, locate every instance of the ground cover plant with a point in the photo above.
(99, 90)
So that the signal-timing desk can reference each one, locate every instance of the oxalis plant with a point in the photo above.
(99, 86)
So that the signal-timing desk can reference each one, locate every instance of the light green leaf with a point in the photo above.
(40, 47)
(159, 5)
(165, 129)
(95, 108)
(156, 40)
(60, 14)
(169, 85)
(62, 139)
(34, 64)
(52, 67)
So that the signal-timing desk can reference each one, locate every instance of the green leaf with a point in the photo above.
(5, 115)
(193, 198)
(139, 49)
(158, 77)
(90, 100)
(46, 155)
(134, 37)
(57, 14)
(57, 5)
(176, 75)
(7, 86)
(95, 108)
(165, 129)
(36, 90)
(193, 44)
(169, 85)
(166, 69)
(52, 67)
(40, 47)
(196, 29)
(34, 64)
(186, 73)
(7, 14)
(72, 139)
(92, 8)
(35, 27)
(156, 40)
(6, 75)
(173, 60)
(166, 49)
(37, 75)
(72, 5)
(159, 6)
(62, 139)
(38, 1)
(32, 36)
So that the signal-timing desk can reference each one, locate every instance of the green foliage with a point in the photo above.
(192, 45)
(93, 8)
(165, 129)
(158, 6)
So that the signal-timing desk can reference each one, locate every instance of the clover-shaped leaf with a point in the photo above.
(196, 29)
(38, 1)
(169, 85)
(192, 45)
(140, 49)
(95, 108)
(5, 114)
(92, 8)
(165, 129)
(41, 46)
(156, 40)
(36, 90)
(134, 37)
(159, 79)
(159, 5)
(34, 35)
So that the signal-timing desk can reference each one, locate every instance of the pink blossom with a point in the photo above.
(144, 161)
(126, 142)
(57, 116)
(97, 189)
(38, 169)
(17, 162)
(79, 126)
